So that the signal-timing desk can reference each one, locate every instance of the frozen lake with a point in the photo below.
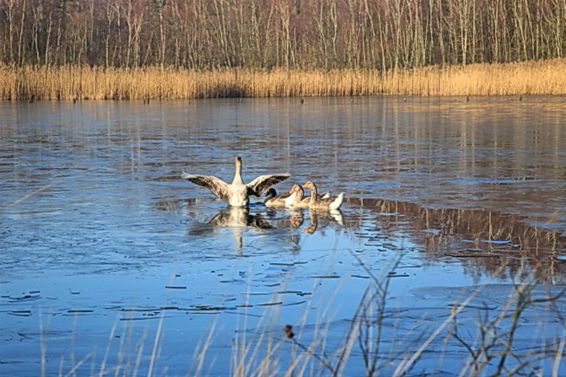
(111, 264)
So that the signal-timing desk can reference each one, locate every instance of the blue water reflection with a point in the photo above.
(101, 242)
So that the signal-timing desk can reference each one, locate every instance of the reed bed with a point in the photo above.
(93, 83)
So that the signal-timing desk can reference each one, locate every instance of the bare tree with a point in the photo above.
(379, 34)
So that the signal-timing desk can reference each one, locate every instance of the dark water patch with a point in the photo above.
(298, 293)
(80, 311)
(296, 303)
(325, 277)
(136, 309)
(360, 276)
(20, 313)
(397, 275)
(211, 308)
(23, 298)
(144, 318)
(271, 303)
(176, 286)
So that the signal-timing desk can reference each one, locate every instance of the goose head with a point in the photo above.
(238, 163)
(270, 194)
(295, 188)
(310, 185)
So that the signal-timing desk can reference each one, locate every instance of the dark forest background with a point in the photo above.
(265, 34)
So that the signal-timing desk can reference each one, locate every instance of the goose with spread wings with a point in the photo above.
(236, 193)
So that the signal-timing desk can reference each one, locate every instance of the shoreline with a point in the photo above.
(77, 83)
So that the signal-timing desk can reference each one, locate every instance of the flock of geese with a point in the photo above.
(237, 193)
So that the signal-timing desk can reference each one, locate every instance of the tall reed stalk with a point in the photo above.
(93, 83)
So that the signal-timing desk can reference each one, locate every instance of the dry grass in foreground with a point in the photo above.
(468, 337)
(91, 83)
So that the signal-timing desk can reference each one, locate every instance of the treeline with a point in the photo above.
(266, 34)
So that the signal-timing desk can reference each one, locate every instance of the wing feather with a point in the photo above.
(262, 183)
(217, 186)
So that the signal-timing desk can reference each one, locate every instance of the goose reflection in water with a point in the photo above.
(296, 219)
(279, 224)
(334, 215)
(491, 242)
(237, 218)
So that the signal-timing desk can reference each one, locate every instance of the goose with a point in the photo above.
(297, 198)
(236, 193)
(273, 200)
(318, 203)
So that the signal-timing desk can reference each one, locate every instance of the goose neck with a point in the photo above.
(237, 171)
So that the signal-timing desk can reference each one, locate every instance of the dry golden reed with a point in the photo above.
(83, 83)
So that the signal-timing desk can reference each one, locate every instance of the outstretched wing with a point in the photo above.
(217, 186)
(262, 183)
